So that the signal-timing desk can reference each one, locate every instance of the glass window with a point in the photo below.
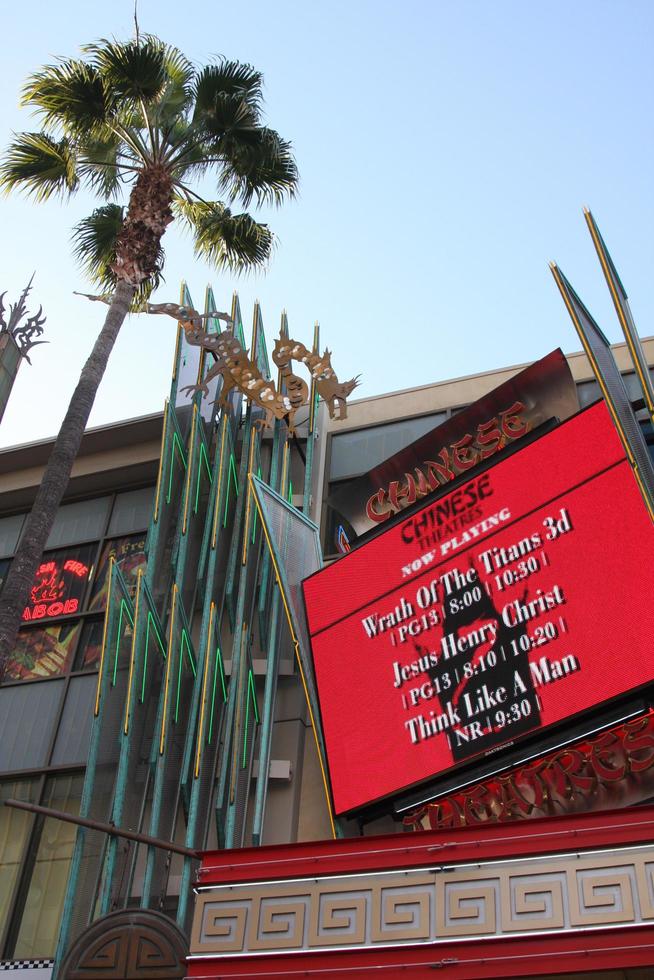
(60, 583)
(90, 646)
(39, 927)
(632, 384)
(132, 511)
(14, 829)
(42, 653)
(648, 433)
(129, 555)
(10, 528)
(334, 521)
(27, 717)
(357, 452)
(80, 521)
(588, 392)
(4, 568)
(72, 745)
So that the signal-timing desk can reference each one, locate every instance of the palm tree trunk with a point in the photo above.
(23, 568)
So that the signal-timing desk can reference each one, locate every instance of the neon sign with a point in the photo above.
(58, 587)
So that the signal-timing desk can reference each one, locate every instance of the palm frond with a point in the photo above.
(176, 97)
(179, 69)
(94, 243)
(101, 164)
(138, 105)
(131, 69)
(260, 166)
(40, 166)
(70, 95)
(94, 247)
(227, 78)
(189, 152)
(233, 241)
(229, 115)
(172, 109)
(172, 106)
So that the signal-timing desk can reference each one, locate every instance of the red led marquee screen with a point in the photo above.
(519, 599)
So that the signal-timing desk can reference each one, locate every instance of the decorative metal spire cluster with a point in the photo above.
(23, 333)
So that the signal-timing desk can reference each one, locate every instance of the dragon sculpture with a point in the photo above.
(238, 370)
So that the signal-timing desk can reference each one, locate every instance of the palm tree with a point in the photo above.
(138, 115)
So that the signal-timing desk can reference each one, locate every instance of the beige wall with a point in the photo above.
(458, 391)
(111, 457)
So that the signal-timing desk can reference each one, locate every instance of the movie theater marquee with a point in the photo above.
(504, 607)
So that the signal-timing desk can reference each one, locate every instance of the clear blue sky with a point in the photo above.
(445, 147)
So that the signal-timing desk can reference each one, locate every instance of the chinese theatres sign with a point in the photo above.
(615, 768)
(541, 392)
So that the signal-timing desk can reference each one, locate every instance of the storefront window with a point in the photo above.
(588, 392)
(90, 647)
(39, 927)
(14, 829)
(10, 528)
(358, 451)
(74, 735)
(129, 555)
(28, 715)
(82, 521)
(43, 653)
(47, 722)
(132, 510)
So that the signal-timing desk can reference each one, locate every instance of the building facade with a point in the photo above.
(155, 684)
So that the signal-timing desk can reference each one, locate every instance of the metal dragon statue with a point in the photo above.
(239, 370)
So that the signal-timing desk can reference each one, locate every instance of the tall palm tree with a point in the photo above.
(138, 115)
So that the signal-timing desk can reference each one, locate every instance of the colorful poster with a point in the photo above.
(43, 653)
(129, 555)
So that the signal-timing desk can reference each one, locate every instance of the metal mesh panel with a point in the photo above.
(99, 783)
(187, 369)
(276, 468)
(246, 761)
(194, 503)
(613, 382)
(170, 737)
(233, 787)
(295, 544)
(136, 744)
(162, 533)
(621, 303)
(203, 742)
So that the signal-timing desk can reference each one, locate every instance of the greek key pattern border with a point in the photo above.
(394, 908)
